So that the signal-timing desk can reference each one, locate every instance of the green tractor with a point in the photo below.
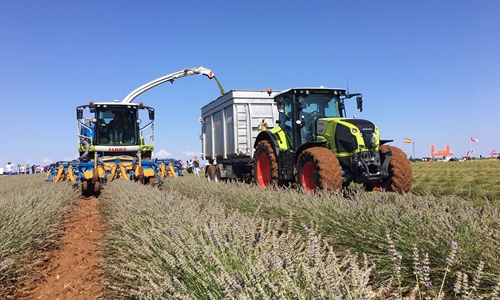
(317, 147)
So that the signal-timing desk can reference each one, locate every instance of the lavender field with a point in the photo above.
(193, 239)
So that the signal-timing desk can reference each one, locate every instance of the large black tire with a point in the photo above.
(319, 168)
(400, 173)
(265, 168)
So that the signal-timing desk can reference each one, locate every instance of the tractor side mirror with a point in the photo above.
(359, 103)
(151, 114)
(79, 113)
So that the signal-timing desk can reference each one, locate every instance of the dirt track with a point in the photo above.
(72, 270)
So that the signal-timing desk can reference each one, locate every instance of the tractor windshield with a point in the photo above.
(321, 105)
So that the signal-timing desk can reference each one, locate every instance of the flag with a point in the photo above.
(474, 140)
(408, 141)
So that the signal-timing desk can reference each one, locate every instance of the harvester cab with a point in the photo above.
(114, 128)
(317, 146)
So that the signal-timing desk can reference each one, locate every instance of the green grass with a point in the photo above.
(476, 181)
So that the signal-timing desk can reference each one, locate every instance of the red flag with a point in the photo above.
(474, 140)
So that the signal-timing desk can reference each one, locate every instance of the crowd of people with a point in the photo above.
(191, 166)
(12, 169)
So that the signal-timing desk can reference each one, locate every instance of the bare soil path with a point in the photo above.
(72, 270)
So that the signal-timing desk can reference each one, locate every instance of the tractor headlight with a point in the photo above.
(354, 131)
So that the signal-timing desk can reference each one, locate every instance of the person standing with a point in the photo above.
(8, 168)
(196, 166)
(85, 142)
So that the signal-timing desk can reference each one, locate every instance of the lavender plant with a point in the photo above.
(200, 241)
(30, 213)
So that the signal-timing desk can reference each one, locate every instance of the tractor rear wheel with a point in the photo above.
(400, 173)
(319, 168)
(265, 165)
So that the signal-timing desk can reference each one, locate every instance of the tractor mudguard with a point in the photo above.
(267, 135)
(308, 145)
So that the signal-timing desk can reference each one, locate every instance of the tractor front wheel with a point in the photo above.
(265, 165)
(400, 173)
(319, 168)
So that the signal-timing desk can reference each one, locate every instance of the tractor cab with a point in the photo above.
(114, 128)
(301, 108)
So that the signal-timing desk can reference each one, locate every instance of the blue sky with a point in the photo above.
(428, 70)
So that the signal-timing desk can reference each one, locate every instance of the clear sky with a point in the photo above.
(428, 70)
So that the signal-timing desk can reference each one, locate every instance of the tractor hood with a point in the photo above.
(348, 136)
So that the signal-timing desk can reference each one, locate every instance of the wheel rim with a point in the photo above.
(307, 177)
(263, 170)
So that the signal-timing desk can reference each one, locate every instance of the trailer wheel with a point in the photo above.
(400, 173)
(265, 165)
(319, 168)
(210, 173)
(217, 176)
